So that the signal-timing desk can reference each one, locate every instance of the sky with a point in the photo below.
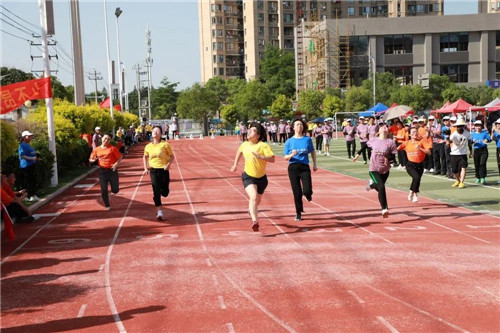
(174, 38)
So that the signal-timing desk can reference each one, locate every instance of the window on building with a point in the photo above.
(215, 71)
(260, 17)
(246, 69)
(218, 8)
(219, 32)
(358, 45)
(214, 46)
(498, 5)
(275, 42)
(323, 6)
(420, 8)
(411, 9)
(220, 46)
(350, 11)
(436, 7)
(219, 19)
(213, 33)
(288, 31)
(261, 30)
(288, 18)
(493, 5)
(366, 10)
(221, 59)
(497, 74)
(498, 38)
(213, 8)
(262, 42)
(403, 74)
(260, 4)
(456, 72)
(430, 8)
(213, 19)
(246, 56)
(398, 44)
(229, 47)
(215, 59)
(261, 55)
(454, 42)
(288, 43)
(221, 71)
(273, 32)
(287, 4)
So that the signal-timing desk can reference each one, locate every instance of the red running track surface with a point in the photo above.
(429, 267)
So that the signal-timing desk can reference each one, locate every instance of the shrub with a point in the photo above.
(9, 141)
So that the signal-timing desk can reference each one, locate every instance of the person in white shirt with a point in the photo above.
(458, 155)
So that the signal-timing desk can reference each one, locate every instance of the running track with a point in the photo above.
(429, 267)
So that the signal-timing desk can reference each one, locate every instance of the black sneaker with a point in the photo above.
(298, 217)
(309, 198)
(26, 219)
(255, 226)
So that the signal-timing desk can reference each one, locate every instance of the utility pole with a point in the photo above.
(110, 75)
(95, 78)
(138, 76)
(149, 64)
(118, 12)
(47, 25)
(76, 42)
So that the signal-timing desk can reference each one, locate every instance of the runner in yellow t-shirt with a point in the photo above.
(256, 154)
(160, 157)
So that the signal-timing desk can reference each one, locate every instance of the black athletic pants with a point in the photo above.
(402, 158)
(439, 156)
(415, 170)
(379, 185)
(108, 176)
(282, 137)
(498, 159)
(480, 158)
(351, 148)
(160, 180)
(319, 142)
(300, 173)
(363, 149)
(29, 179)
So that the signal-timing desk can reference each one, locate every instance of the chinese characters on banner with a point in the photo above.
(14, 95)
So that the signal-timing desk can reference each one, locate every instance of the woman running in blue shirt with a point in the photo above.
(480, 139)
(297, 150)
(496, 137)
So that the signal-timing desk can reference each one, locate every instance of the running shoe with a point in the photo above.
(385, 213)
(34, 198)
(410, 196)
(107, 208)
(26, 219)
(483, 181)
(415, 199)
(477, 181)
(327, 154)
(255, 226)
(461, 185)
(431, 170)
(368, 186)
(308, 197)
(455, 184)
(159, 216)
(365, 162)
(298, 217)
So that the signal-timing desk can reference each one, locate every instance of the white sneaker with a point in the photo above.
(498, 181)
(415, 199)
(107, 208)
(410, 196)
(367, 187)
(324, 153)
(385, 213)
(431, 170)
(34, 198)
(159, 216)
(327, 154)
(426, 170)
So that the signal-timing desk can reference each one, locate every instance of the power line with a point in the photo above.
(25, 31)
(35, 26)
(8, 33)
(19, 24)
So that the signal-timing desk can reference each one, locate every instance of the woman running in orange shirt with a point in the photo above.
(416, 150)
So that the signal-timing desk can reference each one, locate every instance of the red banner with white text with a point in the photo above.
(14, 95)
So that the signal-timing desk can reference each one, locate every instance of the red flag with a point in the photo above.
(14, 95)
(117, 107)
(9, 229)
(105, 105)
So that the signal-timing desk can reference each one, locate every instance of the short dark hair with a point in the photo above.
(260, 130)
(304, 125)
(159, 127)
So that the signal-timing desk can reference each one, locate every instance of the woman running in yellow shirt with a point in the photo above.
(257, 154)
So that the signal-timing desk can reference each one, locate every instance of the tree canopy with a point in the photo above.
(277, 71)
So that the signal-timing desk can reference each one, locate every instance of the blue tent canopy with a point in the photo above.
(366, 114)
(379, 107)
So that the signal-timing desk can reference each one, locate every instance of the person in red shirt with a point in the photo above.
(108, 157)
(416, 151)
(13, 200)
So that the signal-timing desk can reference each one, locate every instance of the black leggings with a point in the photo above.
(363, 149)
(351, 148)
(498, 159)
(319, 142)
(415, 170)
(297, 173)
(282, 137)
(480, 158)
(108, 175)
(29, 179)
(402, 158)
(160, 181)
(379, 185)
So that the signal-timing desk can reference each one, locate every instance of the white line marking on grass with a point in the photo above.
(230, 328)
(387, 324)
(356, 297)
(109, 295)
(221, 303)
(228, 278)
(82, 311)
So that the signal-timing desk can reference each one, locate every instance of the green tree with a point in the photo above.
(277, 71)
(358, 99)
(332, 104)
(10, 75)
(234, 86)
(385, 85)
(333, 92)
(60, 91)
(496, 93)
(198, 103)
(164, 99)
(282, 107)
(453, 93)
(437, 84)
(230, 114)
(251, 100)
(310, 102)
(414, 96)
(9, 142)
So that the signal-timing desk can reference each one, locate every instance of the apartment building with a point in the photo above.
(464, 47)
(488, 6)
(234, 34)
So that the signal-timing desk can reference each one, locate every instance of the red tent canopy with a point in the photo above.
(459, 106)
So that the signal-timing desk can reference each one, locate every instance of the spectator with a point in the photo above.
(13, 200)
(28, 159)
(96, 139)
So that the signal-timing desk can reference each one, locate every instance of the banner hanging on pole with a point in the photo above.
(14, 95)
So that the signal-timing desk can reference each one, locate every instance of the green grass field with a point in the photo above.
(482, 198)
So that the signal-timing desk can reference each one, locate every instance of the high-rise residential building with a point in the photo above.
(488, 6)
(234, 34)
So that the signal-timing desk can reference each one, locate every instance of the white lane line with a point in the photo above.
(109, 295)
(489, 293)
(387, 324)
(84, 185)
(101, 268)
(214, 278)
(230, 328)
(209, 263)
(221, 302)
(356, 296)
(46, 215)
(82, 311)
(228, 278)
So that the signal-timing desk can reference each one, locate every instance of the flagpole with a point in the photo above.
(48, 101)
(110, 79)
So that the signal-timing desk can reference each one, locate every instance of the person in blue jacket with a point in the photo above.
(28, 159)
(297, 150)
(480, 139)
(496, 136)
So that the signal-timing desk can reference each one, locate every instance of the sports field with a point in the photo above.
(429, 267)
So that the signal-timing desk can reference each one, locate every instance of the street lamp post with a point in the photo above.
(118, 12)
(110, 79)
(373, 72)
